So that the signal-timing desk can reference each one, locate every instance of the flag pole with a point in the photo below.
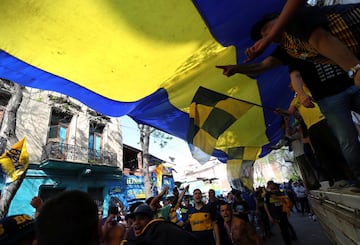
(241, 100)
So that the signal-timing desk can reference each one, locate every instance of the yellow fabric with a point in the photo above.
(101, 44)
(310, 116)
(159, 173)
(286, 204)
(15, 161)
(240, 169)
(200, 221)
(173, 215)
(114, 46)
(205, 140)
(213, 115)
(247, 130)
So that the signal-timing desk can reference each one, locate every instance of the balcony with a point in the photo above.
(71, 153)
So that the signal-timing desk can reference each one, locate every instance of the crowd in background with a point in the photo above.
(241, 217)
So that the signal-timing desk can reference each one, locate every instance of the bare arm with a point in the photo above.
(297, 84)
(217, 233)
(251, 69)
(36, 202)
(237, 229)
(105, 226)
(157, 198)
(268, 213)
(182, 194)
(332, 48)
(289, 9)
(286, 113)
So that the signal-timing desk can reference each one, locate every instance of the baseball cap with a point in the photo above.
(170, 197)
(145, 210)
(16, 228)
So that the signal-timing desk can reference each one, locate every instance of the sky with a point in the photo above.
(183, 160)
(175, 148)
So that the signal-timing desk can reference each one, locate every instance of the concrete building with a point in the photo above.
(70, 146)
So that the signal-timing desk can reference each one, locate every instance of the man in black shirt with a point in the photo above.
(274, 208)
(333, 90)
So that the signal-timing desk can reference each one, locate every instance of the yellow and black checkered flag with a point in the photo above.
(211, 113)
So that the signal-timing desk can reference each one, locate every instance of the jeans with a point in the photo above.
(337, 110)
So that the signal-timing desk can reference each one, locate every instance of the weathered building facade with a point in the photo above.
(70, 146)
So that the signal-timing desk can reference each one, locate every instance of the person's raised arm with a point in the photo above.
(157, 198)
(331, 47)
(181, 196)
(266, 64)
(36, 202)
(286, 113)
(289, 9)
(297, 84)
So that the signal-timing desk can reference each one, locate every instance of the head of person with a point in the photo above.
(17, 229)
(271, 185)
(226, 211)
(143, 214)
(129, 217)
(170, 199)
(197, 196)
(70, 217)
(263, 27)
(230, 196)
(186, 201)
(157, 205)
(175, 191)
(212, 194)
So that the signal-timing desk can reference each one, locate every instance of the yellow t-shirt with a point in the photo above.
(310, 116)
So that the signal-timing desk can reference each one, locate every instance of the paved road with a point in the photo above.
(308, 232)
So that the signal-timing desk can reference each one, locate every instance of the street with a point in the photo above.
(308, 231)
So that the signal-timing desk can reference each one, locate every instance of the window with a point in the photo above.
(58, 129)
(95, 141)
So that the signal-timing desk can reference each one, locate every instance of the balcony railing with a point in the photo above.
(73, 153)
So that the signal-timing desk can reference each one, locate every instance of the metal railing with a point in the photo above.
(73, 153)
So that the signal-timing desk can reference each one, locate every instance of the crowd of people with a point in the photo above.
(242, 217)
(320, 46)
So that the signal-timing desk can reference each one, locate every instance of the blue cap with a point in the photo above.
(145, 210)
(15, 228)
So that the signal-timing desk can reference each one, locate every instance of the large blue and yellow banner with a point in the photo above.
(144, 58)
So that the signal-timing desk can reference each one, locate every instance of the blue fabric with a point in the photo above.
(229, 22)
